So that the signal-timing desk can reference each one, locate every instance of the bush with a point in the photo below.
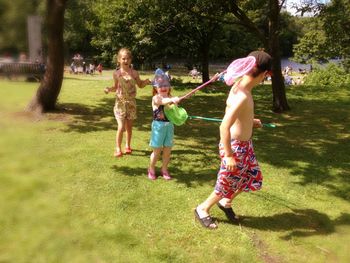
(332, 74)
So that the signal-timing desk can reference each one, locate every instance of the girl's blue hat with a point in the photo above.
(160, 79)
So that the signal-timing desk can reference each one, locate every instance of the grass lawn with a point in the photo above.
(64, 198)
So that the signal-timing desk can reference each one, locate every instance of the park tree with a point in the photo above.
(336, 24)
(262, 18)
(326, 34)
(77, 36)
(13, 26)
(312, 46)
(195, 27)
(46, 96)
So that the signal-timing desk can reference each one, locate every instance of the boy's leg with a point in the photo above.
(203, 209)
(227, 202)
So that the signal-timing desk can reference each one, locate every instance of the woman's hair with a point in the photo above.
(123, 50)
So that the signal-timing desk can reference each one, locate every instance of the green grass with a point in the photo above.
(64, 198)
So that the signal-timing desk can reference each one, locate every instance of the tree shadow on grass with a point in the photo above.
(310, 140)
(298, 223)
(188, 177)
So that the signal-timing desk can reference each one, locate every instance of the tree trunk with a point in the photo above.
(46, 96)
(205, 60)
(280, 103)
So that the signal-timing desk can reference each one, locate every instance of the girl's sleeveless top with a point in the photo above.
(158, 114)
(126, 89)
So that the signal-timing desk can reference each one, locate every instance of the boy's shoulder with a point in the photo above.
(238, 93)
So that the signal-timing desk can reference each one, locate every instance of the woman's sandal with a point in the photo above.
(207, 222)
(229, 213)
(128, 150)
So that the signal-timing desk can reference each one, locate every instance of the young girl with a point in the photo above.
(125, 81)
(162, 129)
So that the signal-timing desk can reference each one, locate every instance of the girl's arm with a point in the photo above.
(158, 100)
(113, 88)
(141, 83)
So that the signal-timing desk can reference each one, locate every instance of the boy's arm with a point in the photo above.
(225, 134)
(257, 123)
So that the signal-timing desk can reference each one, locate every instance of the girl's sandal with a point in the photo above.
(166, 175)
(151, 175)
(118, 154)
(128, 150)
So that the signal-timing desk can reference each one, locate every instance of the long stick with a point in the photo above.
(268, 125)
(201, 86)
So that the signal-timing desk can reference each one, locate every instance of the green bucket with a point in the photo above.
(175, 114)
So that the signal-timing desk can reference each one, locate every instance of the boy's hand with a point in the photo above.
(106, 90)
(257, 123)
(229, 163)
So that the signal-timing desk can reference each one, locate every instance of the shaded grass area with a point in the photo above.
(66, 199)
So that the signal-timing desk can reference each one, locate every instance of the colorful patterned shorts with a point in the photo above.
(125, 109)
(245, 177)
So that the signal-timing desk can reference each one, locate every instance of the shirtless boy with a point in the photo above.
(239, 169)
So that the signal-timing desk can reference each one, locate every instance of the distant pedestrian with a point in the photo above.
(99, 68)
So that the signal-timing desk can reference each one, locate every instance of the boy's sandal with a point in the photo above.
(151, 175)
(128, 150)
(207, 222)
(230, 214)
(118, 154)
(166, 175)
